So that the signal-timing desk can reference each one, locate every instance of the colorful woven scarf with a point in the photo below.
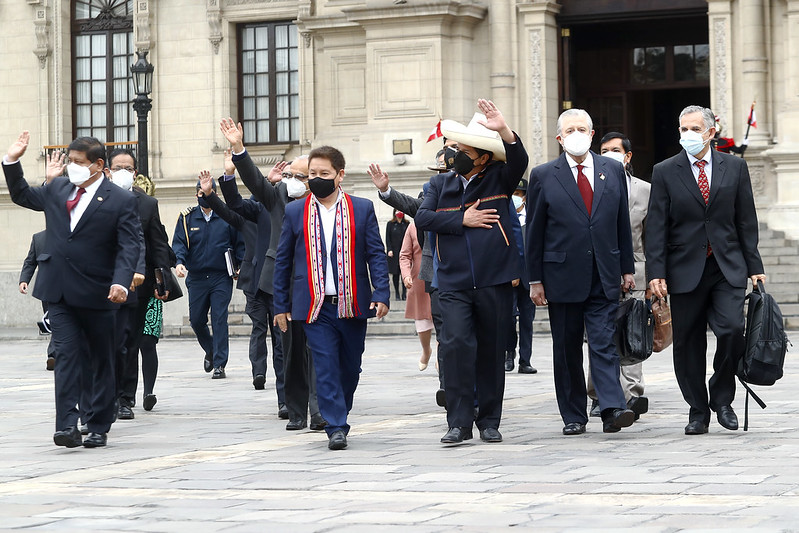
(317, 264)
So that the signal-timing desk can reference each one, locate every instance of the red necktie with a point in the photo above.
(704, 188)
(72, 203)
(585, 189)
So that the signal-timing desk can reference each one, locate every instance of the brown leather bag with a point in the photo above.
(662, 316)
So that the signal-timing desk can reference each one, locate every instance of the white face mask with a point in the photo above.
(577, 143)
(692, 141)
(294, 187)
(618, 156)
(123, 178)
(78, 174)
(517, 201)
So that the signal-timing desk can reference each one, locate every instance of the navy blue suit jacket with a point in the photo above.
(474, 257)
(563, 241)
(80, 266)
(292, 292)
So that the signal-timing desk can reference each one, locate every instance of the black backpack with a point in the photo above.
(766, 345)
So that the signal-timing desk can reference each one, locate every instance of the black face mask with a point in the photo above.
(463, 164)
(449, 157)
(321, 187)
(203, 202)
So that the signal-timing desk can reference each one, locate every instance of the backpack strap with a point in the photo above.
(755, 397)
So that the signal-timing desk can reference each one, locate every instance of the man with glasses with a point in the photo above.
(286, 182)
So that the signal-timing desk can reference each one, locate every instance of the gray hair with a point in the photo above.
(573, 113)
(707, 115)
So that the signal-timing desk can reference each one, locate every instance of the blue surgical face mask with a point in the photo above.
(517, 202)
(692, 141)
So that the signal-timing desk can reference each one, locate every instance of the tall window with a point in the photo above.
(102, 52)
(269, 102)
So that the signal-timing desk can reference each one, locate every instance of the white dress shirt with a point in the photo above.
(328, 220)
(83, 203)
(708, 166)
(588, 168)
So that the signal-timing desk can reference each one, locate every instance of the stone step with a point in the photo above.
(773, 242)
(778, 250)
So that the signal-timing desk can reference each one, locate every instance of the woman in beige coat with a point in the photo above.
(417, 306)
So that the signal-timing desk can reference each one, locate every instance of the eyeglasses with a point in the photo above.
(289, 175)
(129, 169)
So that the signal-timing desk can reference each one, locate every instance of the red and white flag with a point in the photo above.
(752, 120)
(435, 133)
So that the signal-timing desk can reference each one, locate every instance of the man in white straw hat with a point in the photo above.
(469, 210)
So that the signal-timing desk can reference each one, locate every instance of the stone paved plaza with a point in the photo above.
(212, 456)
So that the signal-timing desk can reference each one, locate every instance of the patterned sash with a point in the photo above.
(345, 250)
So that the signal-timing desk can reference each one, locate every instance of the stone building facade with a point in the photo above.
(373, 77)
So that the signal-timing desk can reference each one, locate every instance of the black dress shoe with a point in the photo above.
(68, 437)
(526, 368)
(50, 362)
(490, 435)
(259, 381)
(574, 428)
(282, 412)
(441, 398)
(615, 419)
(208, 362)
(296, 424)
(696, 427)
(318, 422)
(149, 402)
(219, 373)
(84, 429)
(727, 418)
(456, 435)
(95, 440)
(509, 357)
(337, 441)
(595, 410)
(638, 405)
(125, 412)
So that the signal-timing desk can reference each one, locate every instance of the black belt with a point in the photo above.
(330, 299)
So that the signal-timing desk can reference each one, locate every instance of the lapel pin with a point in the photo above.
(100, 198)
(601, 176)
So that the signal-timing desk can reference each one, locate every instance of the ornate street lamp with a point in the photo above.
(142, 72)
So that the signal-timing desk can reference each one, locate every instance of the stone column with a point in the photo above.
(784, 156)
(538, 67)
(721, 64)
(754, 70)
(503, 76)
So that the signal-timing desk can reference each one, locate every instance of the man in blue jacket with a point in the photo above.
(200, 241)
(469, 210)
(329, 257)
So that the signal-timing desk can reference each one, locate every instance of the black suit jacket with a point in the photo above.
(679, 224)
(29, 265)
(156, 243)
(80, 266)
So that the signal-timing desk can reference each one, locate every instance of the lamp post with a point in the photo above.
(142, 72)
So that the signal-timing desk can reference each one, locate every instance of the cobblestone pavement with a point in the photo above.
(212, 456)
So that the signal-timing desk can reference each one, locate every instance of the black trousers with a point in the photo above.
(473, 339)
(130, 326)
(596, 316)
(85, 342)
(716, 303)
(435, 308)
(300, 376)
(260, 310)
